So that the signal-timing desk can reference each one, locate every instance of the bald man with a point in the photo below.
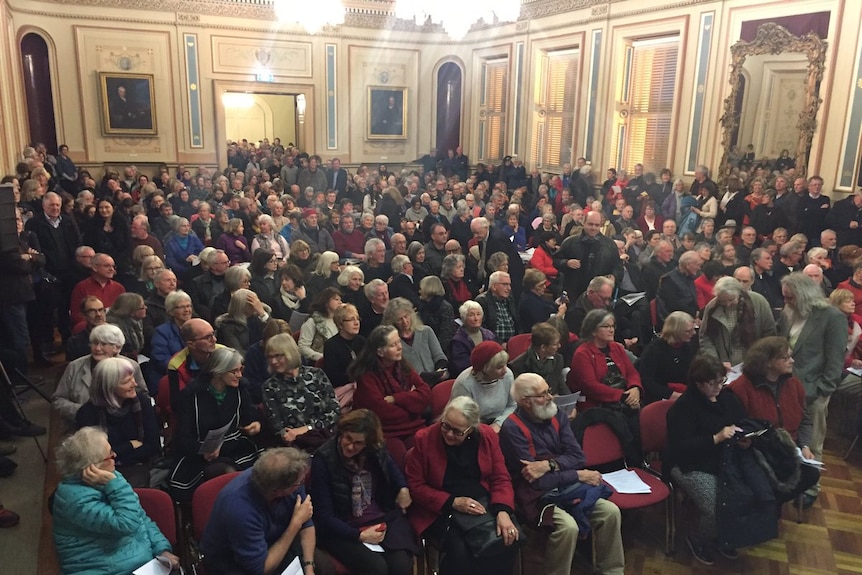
(581, 258)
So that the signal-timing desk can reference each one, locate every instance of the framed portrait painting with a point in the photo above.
(387, 113)
(128, 104)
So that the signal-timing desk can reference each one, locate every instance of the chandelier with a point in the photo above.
(458, 16)
(311, 17)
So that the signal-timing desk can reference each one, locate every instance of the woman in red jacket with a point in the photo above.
(768, 390)
(543, 256)
(387, 385)
(457, 469)
(605, 376)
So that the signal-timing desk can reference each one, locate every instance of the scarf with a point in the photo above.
(132, 406)
(361, 488)
(458, 290)
(289, 299)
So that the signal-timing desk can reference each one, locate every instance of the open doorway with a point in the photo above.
(260, 116)
(296, 106)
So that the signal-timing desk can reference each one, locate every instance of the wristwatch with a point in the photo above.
(553, 465)
(307, 563)
(310, 427)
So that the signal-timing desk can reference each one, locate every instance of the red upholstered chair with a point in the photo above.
(601, 446)
(653, 424)
(159, 507)
(440, 394)
(518, 344)
(202, 505)
(653, 314)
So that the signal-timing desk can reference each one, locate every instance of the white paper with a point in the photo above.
(294, 568)
(374, 547)
(214, 439)
(142, 358)
(153, 567)
(812, 462)
(195, 260)
(734, 373)
(567, 401)
(633, 298)
(855, 371)
(626, 481)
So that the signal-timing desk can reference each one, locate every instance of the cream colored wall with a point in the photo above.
(84, 38)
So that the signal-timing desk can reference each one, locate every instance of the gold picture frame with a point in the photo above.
(128, 104)
(387, 113)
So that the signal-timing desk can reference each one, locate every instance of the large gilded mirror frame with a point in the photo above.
(775, 39)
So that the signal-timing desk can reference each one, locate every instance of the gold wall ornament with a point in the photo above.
(772, 38)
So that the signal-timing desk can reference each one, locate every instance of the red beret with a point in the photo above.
(483, 353)
(309, 212)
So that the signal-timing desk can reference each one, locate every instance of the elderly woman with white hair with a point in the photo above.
(469, 335)
(128, 417)
(419, 344)
(183, 247)
(270, 239)
(73, 389)
(325, 273)
(733, 321)
(457, 472)
(213, 400)
(98, 523)
(350, 282)
(167, 340)
(243, 323)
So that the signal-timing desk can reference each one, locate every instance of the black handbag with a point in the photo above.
(479, 533)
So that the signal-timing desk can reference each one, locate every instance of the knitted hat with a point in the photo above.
(309, 212)
(483, 353)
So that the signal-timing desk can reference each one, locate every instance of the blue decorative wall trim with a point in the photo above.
(593, 87)
(193, 87)
(702, 67)
(331, 98)
(519, 76)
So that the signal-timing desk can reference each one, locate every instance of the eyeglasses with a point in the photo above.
(113, 455)
(716, 382)
(236, 372)
(447, 428)
(348, 443)
(276, 356)
(210, 336)
(547, 393)
(609, 326)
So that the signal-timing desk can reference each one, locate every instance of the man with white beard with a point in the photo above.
(544, 459)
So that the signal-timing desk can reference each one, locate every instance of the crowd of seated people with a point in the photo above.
(339, 293)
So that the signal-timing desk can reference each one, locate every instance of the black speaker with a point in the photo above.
(8, 223)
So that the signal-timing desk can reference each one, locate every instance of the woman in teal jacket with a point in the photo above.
(99, 525)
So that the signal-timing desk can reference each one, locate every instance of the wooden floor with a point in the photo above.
(828, 542)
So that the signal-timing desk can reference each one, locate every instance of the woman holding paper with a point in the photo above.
(99, 525)
(698, 425)
(360, 498)
(215, 421)
(768, 390)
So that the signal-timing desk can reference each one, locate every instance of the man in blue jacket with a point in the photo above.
(261, 521)
(542, 456)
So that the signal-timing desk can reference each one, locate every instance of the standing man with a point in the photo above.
(581, 258)
(491, 242)
(313, 176)
(337, 178)
(59, 239)
(817, 332)
(542, 455)
(812, 211)
(261, 521)
(462, 164)
(845, 218)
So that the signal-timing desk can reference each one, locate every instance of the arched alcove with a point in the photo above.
(35, 64)
(449, 86)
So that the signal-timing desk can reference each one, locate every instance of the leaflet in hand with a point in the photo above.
(633, 298)
(153, 567)
(811, 462)
(214, 439)
(734, 373)
(566, 402)
(293, 568)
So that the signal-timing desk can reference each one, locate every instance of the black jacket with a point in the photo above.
(58, 245)
(676, 292)
(599, 257)
(489, 321)
(839, 218)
